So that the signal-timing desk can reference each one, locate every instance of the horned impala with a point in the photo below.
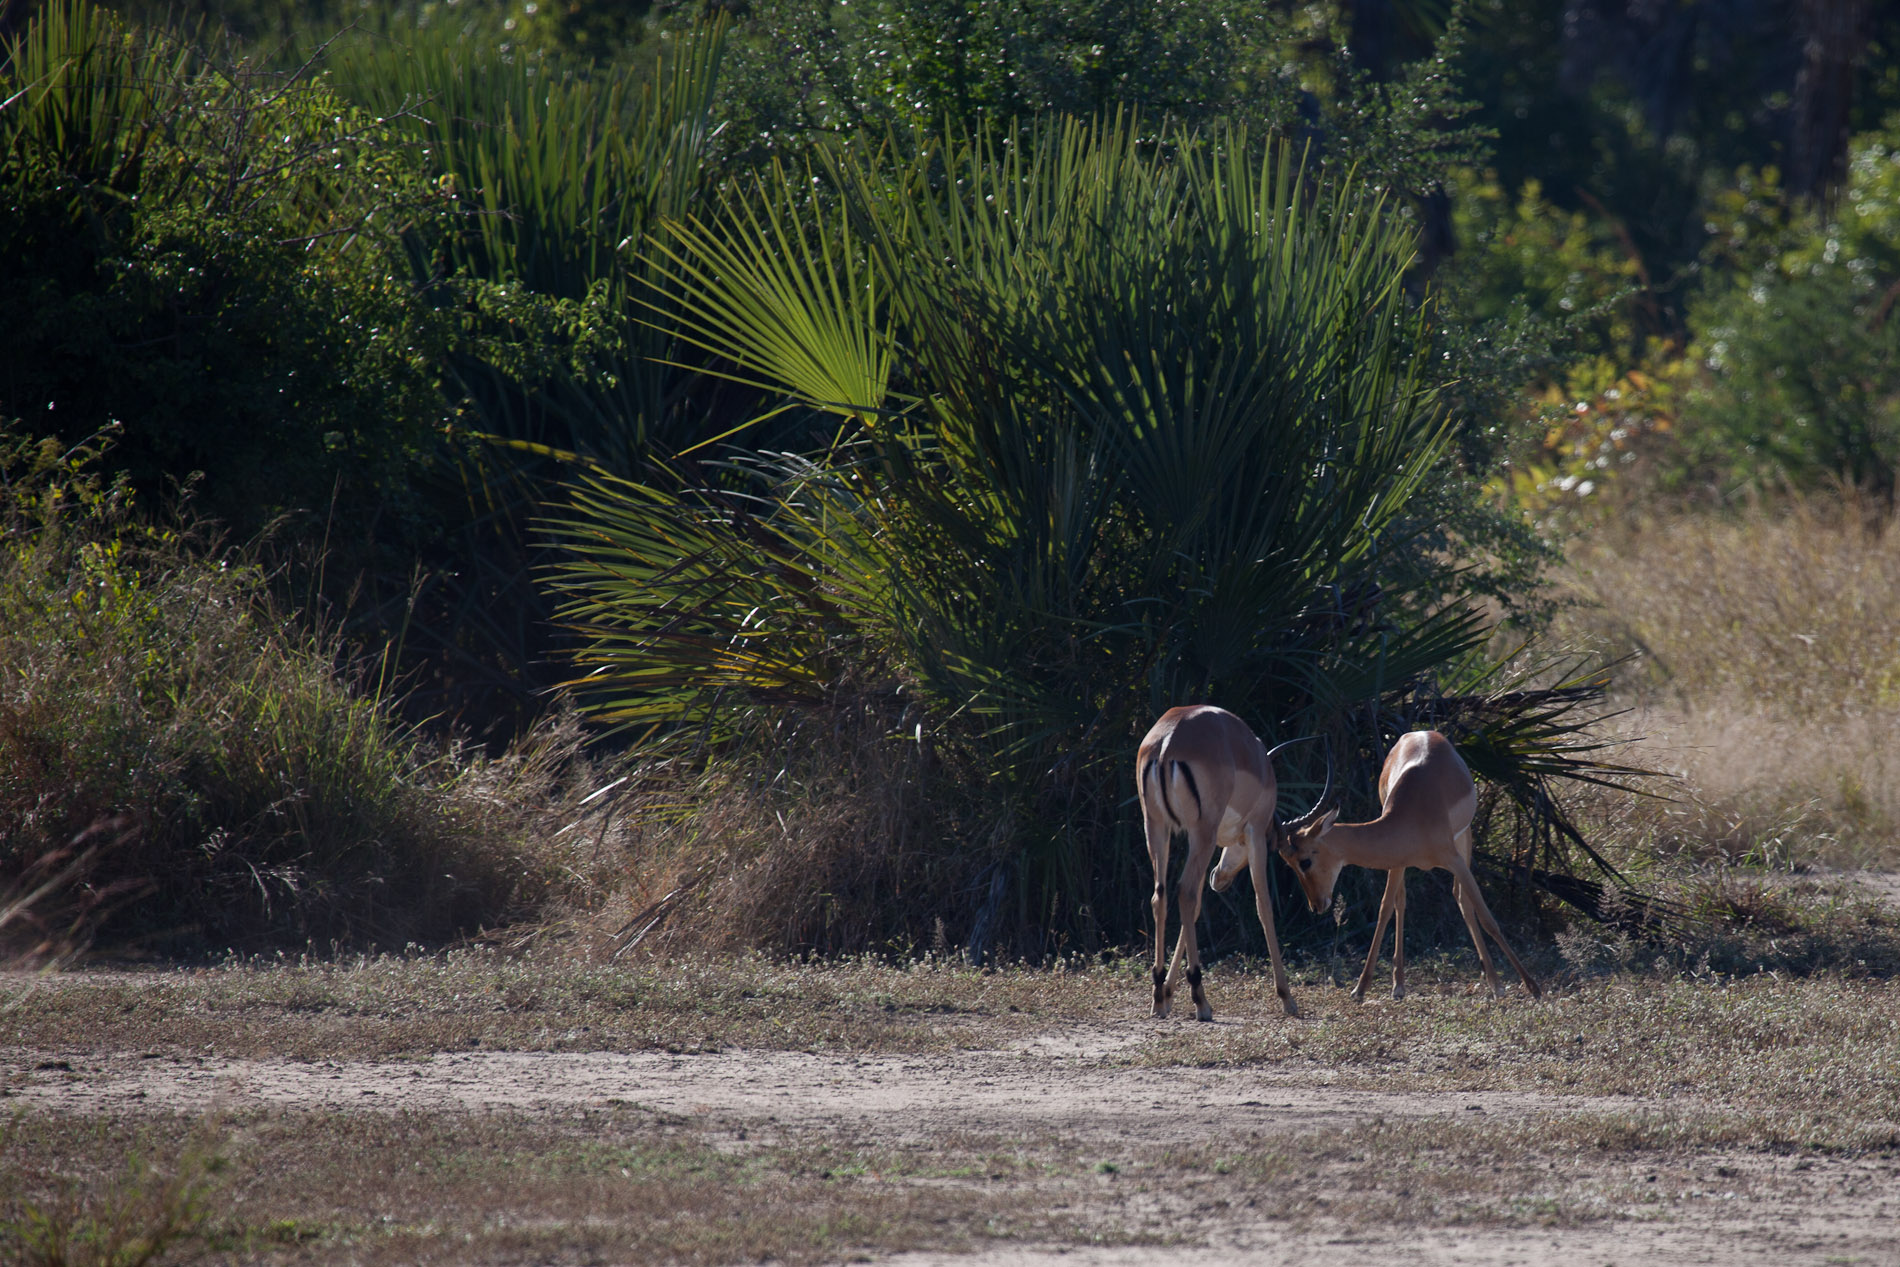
(1200, 770)
(1428, 800)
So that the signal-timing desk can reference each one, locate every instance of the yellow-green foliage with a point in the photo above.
(1527, 251)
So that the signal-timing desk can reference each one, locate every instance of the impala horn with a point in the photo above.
(1320, 806)
(1278, 748)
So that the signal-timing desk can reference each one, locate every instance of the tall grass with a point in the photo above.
(1767, 674)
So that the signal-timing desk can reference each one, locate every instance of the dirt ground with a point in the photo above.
(1071, 1083)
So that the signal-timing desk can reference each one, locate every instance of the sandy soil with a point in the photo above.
(902, 1098)
(1778, 1212)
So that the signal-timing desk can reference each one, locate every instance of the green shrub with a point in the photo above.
(319, 295)
(213, 258)
(803, 69)
(561, 174)
(1801, 359)
(1802, 388)
(804, 66)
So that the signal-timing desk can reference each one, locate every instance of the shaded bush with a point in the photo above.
(559, 173)
(253, 794)
(824, 837)
(360, 299)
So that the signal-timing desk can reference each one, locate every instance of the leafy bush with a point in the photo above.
(555, 173)
(902, 62)
(1802, 364)
(212, 258)
(1803, 389)
(314, 310)
(561, 174)
(803, 69)
(1521, 250)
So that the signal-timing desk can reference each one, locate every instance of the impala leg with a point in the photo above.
(1468, 884)
(1398, 932)
(1187, 900)
(1469, 911)
(1393, 884)
(1160, 838)
(1259, 859)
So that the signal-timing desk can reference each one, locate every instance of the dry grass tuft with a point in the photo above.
(827, 838)
(135, 1213)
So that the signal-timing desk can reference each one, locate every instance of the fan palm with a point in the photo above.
(1124, 422)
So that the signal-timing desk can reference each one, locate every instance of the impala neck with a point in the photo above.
(1379, 845)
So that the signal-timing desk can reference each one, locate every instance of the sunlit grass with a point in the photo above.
(1766, 674)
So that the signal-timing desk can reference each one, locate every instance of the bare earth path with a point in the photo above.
(1073, 1084)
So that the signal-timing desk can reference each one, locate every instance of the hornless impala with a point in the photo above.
(1201, 771)
(1426, 822)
